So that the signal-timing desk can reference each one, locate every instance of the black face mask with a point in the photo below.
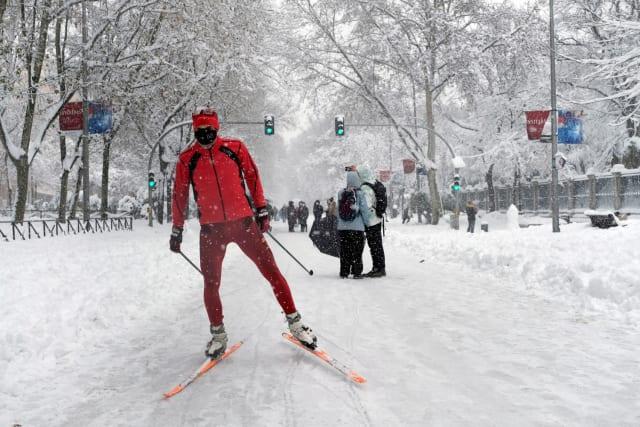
(206, 136)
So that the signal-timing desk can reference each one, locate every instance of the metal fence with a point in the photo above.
(617, 191)
(39, 228)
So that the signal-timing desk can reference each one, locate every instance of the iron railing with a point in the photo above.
(40, 228)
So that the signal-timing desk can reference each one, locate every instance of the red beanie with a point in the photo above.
(203, 119)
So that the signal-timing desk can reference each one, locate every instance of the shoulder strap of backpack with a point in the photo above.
(193, 162)
(233, 156)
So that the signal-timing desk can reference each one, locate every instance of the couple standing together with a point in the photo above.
(361, 206)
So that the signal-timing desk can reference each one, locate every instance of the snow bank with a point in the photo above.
(592, 270)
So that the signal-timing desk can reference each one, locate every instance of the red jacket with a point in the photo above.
(218, 188)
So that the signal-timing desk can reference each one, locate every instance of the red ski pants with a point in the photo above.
(214, 239)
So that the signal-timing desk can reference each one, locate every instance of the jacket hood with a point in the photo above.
(366, 175)
(353, 180)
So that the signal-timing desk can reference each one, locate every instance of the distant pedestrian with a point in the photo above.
(292, 215)
(283, 213)
(472, 211)
(352, 214)
(332, 208)
(303, 215)
(317, 211)
(376, 196)
(406, 216)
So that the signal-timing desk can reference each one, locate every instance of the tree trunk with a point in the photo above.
(22, 172)
(7, 181)
(3, 7)
(490, 190)
(64, 182)
(104, 203)
(436, 207)
(168, 190)
(64, 178)
(34, 63)
(74, 203)
(515, 195)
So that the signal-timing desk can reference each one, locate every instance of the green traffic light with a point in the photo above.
(340, 132)
(269, 131)
(152, 184)
(455, 187)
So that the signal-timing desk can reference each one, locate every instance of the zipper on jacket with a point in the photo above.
(215, 172)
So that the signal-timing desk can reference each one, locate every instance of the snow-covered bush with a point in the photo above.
(130, 204)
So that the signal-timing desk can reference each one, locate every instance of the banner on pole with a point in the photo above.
(70, 117)
(100, 117)
(408, 165)
(535, 123)
(570, 130)
(569, 127)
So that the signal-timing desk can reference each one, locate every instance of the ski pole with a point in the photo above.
(190, 262)
(291, 255)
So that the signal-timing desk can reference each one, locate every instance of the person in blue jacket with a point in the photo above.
(352, 216)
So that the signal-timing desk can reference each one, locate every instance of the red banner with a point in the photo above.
(71, 116)
(409, 165)
(535, 123)
(384, 175)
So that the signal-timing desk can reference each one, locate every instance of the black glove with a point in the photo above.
(176, 239)
(262, 218)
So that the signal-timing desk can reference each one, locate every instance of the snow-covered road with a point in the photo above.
(92, 331)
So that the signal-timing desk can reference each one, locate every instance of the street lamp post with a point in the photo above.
(555, 211)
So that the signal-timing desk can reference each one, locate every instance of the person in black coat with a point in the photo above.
(292, 215)
(303, 215)
(472, 211)
(317, 211)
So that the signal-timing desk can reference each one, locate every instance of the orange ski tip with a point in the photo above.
(357, 378)
(177, 389)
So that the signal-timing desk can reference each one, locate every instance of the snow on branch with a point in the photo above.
(14, 151)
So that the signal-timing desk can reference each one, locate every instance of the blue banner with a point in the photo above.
(570, 129)
(100, 118)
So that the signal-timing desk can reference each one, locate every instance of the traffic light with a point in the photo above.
(269, 125)
(152, 181)
(456, 183)
(339, 125)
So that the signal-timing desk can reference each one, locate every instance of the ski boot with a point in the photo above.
(218, 343)
(301, 332)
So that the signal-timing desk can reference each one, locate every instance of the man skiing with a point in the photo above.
(220, 169)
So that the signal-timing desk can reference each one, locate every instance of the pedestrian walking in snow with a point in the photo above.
(214, 165)
(332, 208)
(303, 215)
(283, 213)
(292, 215)
(317, 211)
(375, 195)
(352, 214)
(406, 215)
(472, 211)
